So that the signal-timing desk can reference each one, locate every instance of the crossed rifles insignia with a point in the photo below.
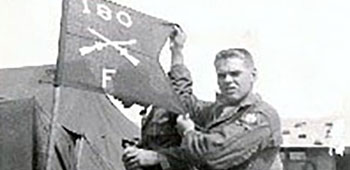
(118, 45)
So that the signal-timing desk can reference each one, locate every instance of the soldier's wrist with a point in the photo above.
(187, 131)
(175, 47)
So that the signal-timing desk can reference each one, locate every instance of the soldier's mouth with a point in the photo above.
(230, 90)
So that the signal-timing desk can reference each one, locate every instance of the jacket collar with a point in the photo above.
(248, 100)
(221, 103)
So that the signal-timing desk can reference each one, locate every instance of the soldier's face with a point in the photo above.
(235, 78)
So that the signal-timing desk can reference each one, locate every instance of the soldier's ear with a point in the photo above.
(254, 74)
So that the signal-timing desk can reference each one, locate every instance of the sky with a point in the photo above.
(300, 47)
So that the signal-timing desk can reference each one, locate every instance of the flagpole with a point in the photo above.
(53, 128)
(57, 88)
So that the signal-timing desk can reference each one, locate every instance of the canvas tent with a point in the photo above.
(22, 134)
(88, 127)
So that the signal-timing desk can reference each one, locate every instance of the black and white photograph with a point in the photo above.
(174, 85)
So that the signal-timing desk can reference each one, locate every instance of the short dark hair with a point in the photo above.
(235, 53)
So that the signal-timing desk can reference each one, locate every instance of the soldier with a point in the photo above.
(239, 131)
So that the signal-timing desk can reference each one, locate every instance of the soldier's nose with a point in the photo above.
(228, 79)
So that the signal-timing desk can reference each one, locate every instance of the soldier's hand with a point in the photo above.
(135, 158)
(177, 38)
(128, 154)
(184, 124)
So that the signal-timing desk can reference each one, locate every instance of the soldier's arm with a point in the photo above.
(180, 76)
(229, 145)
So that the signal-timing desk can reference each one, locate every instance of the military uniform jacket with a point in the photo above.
(159, 132)
(242, 137)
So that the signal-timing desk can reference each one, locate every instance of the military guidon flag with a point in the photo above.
(109, 48)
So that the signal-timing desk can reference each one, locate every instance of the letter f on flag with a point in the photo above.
(107, 76)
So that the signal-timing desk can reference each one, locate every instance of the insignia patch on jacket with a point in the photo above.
(250, 118)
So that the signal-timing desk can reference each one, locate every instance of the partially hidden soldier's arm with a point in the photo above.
(229, 145)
